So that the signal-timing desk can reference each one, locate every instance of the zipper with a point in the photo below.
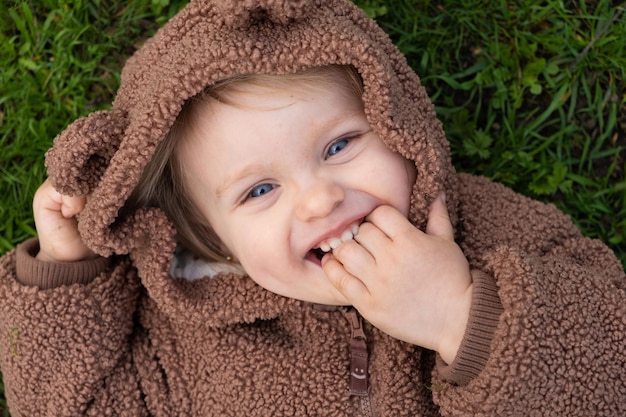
(359, 361)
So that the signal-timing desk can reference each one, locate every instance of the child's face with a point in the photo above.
(285, 171)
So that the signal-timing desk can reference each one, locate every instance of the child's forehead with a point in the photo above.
(320, 107)
(316, 79)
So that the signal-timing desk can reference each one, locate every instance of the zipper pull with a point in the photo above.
(359, 384)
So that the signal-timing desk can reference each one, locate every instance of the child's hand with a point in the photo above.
(415, 286)
(59, 240)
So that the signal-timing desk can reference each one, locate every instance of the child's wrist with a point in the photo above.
(454, 331)
(78, 256)
(43, 256)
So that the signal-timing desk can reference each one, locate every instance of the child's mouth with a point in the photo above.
(318, 253)
(315, 255)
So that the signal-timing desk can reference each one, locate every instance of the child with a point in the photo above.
(264, 224)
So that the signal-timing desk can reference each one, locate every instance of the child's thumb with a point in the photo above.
(438, 219)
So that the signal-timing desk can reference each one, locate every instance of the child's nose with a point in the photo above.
(319, 200)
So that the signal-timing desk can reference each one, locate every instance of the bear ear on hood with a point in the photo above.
(82, 152)
(278, 11)
(81, 163)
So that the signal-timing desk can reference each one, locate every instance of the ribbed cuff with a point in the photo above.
(475, 347)
(46, 275)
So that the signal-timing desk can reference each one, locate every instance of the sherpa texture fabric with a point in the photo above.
(209, 41)
(120, 337)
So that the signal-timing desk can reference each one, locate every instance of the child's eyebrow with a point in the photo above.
(240, 175)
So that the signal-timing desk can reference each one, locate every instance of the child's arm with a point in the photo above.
(547, 320)
(66, 326)
(558, 347)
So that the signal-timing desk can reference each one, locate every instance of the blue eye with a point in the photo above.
(337, 147)
(260, 190)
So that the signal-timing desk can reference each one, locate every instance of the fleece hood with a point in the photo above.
(104, 154)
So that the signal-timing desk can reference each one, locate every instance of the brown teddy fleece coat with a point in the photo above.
(118, 336)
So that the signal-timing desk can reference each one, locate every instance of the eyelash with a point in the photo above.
(348, 139)
(328, 153)
(250, 194)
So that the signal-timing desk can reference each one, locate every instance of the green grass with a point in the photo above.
(531, 94)
(59, 60)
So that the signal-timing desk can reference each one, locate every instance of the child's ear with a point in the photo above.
(82, 152)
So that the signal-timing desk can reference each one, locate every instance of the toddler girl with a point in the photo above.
(264, 223)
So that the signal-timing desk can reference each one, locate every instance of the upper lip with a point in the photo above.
(335, 231)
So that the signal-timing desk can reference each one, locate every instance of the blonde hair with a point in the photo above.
(163, 182)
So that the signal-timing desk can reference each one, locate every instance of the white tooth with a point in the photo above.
(334, 242)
